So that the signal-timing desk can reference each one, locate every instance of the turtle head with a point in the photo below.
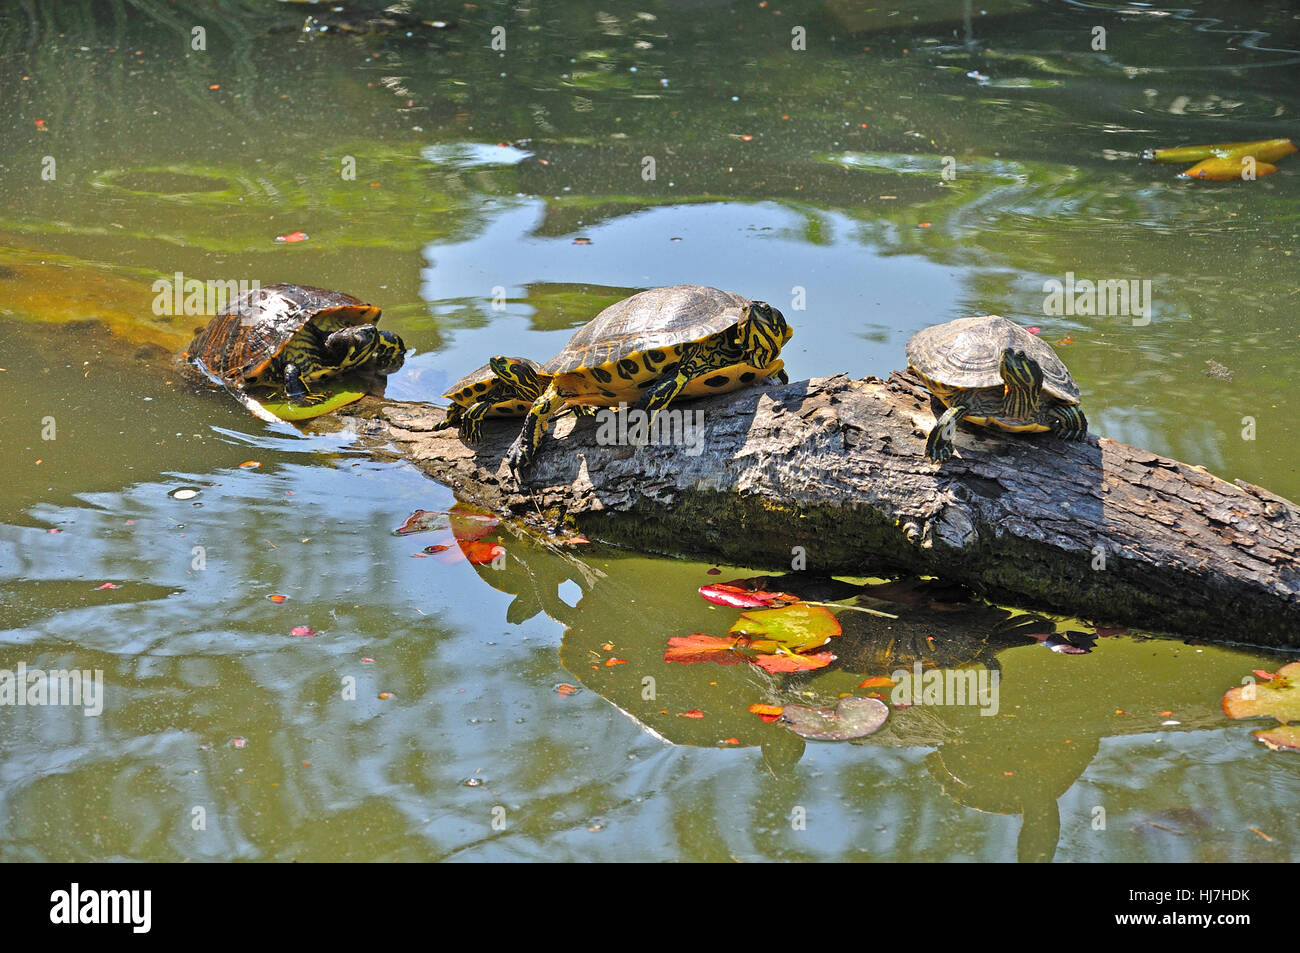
(389, 353)
(1024, 383)
(516, 372)
(762, 333)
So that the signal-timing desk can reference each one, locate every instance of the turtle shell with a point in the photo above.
(470, 387)
(656, 320)
(966, 353)
(245, 336)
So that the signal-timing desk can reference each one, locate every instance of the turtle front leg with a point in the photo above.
(1068, 422)
(471, 419)
(295, 388)
(939, 445)
(696, 361)
(536, 423)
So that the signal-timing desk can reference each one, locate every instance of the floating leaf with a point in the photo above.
(699, 647)
(238, 742)
(1264, 150)
(1266, 676)
(878, 681)
(292, 237)
(481, 553)
(566, 689)
(693, 713)
(853, 717)
(790, 662)
(341, 392)
(1283, 736)
(797, 627)
(1279, 697)
(1225, 170)
(767, 712)
(615, 661)
(422, 521)
(729, 594)
(250, 465)
(302, 631)
(277, 598)
(108, 585)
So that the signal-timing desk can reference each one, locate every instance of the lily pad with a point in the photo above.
(853, 717)
(1279, 697)
(797, 628)
(1283, 736)
(341, 392)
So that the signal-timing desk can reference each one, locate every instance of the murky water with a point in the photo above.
(450, 183)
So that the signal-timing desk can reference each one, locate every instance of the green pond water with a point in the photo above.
(451, 183)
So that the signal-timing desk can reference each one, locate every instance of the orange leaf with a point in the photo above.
(615, 661)
(693, 713)
(780, 664)
(480, 552)
(699, 647)
(250, 465)
(565, 689)
(773, 710)
(878, 681)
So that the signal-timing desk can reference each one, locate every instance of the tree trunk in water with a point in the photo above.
(832, 471)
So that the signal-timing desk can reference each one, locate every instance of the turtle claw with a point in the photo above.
(518, 456)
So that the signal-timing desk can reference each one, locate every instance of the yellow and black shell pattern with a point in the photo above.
(630, 345)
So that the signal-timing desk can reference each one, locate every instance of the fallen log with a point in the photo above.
(832, 470)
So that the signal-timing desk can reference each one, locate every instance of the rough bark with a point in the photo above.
(1096, 529)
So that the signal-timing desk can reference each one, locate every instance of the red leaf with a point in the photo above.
(693, 713)
(1033, 330)
(729, 594)
(615, 661)
(303, 631)
(108, 585)
(1259, 672)
(292, 237)
(277, 598)
(780, 664)
(767, 712)
(480, 553)
(565, 689)
(699, 647)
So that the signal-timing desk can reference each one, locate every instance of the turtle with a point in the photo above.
(290, 335)
(649, 348)
(504, 387)
(992, 372)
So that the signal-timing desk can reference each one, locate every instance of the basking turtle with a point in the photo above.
(292, 335)
(504, 387)
(648, 349)
(991, 372)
